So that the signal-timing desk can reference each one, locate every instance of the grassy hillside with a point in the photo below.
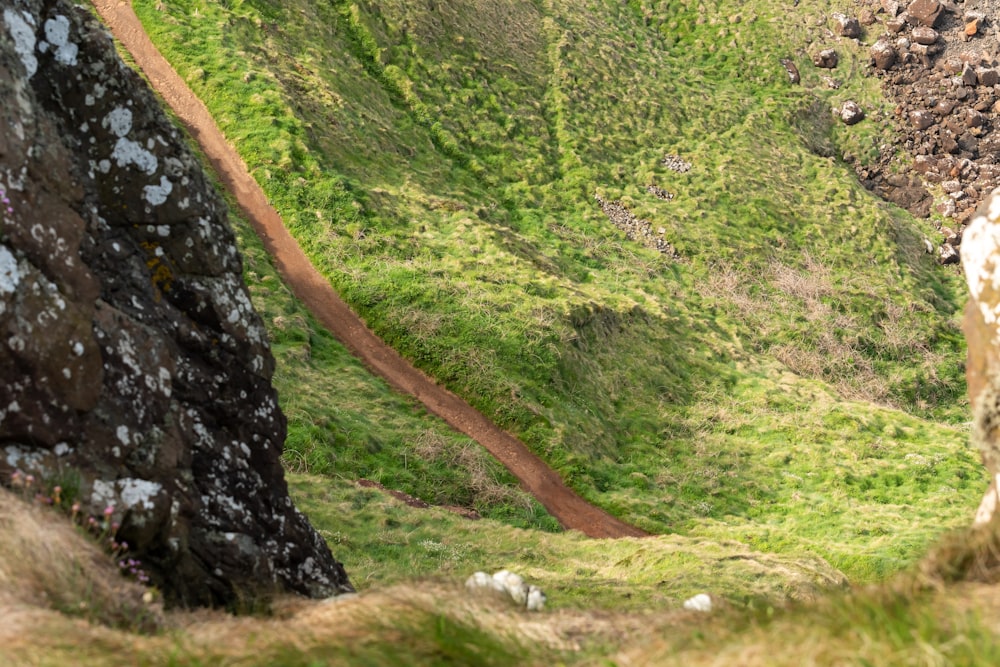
(793, 380)
(62, 603)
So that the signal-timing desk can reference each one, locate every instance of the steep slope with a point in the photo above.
(440, 167)
(571, 510)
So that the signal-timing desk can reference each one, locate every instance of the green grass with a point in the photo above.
(878, 627)
(382, 542)
(344, 423)
(794, 382)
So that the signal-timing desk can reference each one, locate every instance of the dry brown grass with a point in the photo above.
(835, 354)
(62, 600)
(47, 564)
(471, 457)
(909, 622)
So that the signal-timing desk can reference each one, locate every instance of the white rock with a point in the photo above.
(479, 580)
(536, 599)
(500, 580)
(510, 584)
(700, 602)
(517, 589)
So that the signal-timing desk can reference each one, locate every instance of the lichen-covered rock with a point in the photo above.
(851, 113)
(981, 261)
(826, 59)
(847, 26)
(924, 12)
(133, 364)
(883, 56)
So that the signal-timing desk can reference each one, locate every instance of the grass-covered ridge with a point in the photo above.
(440, 164)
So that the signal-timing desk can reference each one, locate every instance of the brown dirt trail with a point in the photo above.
(316, 293)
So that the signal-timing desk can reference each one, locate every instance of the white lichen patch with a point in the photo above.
(165, 386)
(57, 32)
(20, 27)
(10, 276)
(102, 494)
(23, 459)
(138, 492)
(123, 435)
(157, 194)
(126, 151)
(981, 257)
(128, 493)
(119, 121)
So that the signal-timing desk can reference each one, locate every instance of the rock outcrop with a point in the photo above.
(135, 372)
(981, 261)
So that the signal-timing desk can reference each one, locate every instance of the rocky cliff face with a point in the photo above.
(133, 365)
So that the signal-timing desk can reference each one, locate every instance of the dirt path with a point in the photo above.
(316, 293)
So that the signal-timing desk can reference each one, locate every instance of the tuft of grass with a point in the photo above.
(47, 564)
(968, 555)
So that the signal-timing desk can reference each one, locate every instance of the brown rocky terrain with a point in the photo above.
(135, 372)
(940, 65)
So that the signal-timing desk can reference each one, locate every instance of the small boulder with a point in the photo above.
(791, 69)
(510, 585)
(847, 26)
(536, 599)
(924, 164)
(921, 120)
(987, 76)
(883, 55)
(924, 35)
(948, 255)
(700, 602)
(827, 59)
(851, 113)
(944, 107)
(890, 7)
(924, 12)
(479, 580)
(895, 25)
(969, 76)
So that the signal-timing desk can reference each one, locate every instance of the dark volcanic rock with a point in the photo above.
(891, 7)
(791, 69)
(921, 119)
(924, 35)
(130, 354)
